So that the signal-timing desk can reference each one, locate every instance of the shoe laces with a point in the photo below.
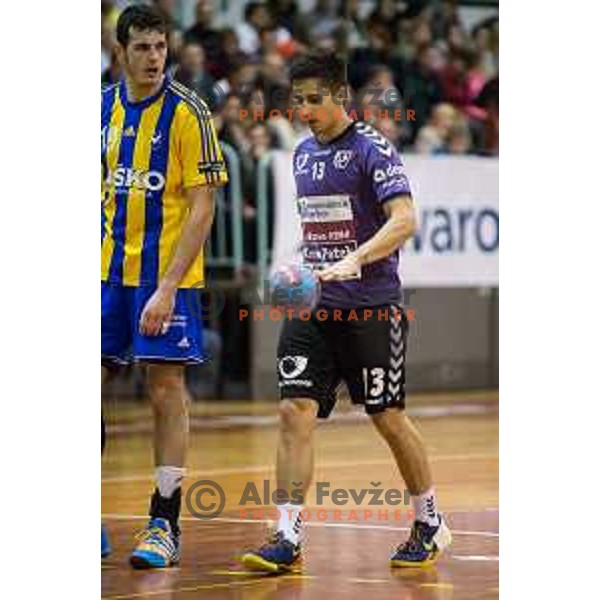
(276, 537)
(153, 533)
(414, 542)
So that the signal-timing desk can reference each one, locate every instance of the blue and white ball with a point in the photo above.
(294, 286)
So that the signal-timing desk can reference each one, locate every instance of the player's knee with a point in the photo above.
(389, 422)
(166, 388)
(298, 416)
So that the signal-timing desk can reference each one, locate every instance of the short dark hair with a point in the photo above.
(320, 64)
(141, 17)
(251, 8)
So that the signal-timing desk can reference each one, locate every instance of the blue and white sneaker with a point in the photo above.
(276, 556)
(158, 546)
(424, 545)
(105, 543)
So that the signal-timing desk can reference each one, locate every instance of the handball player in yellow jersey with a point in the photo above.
(161, 163)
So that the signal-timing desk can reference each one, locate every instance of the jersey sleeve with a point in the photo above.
(385, 170)
(201, 156)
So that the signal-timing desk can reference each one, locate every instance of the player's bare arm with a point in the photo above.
(399, 228)
(159, 307)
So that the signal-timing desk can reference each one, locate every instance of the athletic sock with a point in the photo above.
(290, 523)
(168, 479)
(166, 500)
(425, 508)
(167, 508)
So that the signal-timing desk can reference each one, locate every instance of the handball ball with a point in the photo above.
(293, 286)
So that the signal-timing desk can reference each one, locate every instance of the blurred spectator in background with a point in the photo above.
(390, 129)
(350, 12)
(112, 73)
(274, 81)
(422, 86)
(232, 132)
(286, 15)
(253, 104)
(462, 81)
(175, 45)
(256, 18)
(380, 90)
(387, 15)
(168, 8)
(379, 49)
(456, 38)
(433, 137)
(322, 20)
(272, 77)
(444, 15)
(459, 139)
(454, 78)
(241, 80)
(203, 33)
(230, 57)
(259, 143)
(192, 73)
(109, 15)
(420, 38)
(484, 49)
(489, 100)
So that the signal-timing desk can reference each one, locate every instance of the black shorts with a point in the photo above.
(368, 353)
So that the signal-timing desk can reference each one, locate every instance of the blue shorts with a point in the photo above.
(122, 341)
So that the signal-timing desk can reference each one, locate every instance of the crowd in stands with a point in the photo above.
(445, 74)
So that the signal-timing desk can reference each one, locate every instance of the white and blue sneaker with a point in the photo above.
(158, 546)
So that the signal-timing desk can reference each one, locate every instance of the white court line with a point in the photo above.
(125, 517)
(270, 467)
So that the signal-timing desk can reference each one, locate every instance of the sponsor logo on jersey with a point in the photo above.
(401, 181)
(211, 167)
(128, 178)
(325, 208)
(381, 175)
(292, 366)
(342, 159)
(301, 162)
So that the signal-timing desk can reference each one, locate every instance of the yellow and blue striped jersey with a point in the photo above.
(151, 152)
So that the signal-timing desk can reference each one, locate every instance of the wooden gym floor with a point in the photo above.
(345, 555)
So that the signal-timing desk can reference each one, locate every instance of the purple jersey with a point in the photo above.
(342, 186)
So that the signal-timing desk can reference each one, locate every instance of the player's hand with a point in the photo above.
(157, 313)
(346, 268)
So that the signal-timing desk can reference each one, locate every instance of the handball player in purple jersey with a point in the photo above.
(357, 211)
